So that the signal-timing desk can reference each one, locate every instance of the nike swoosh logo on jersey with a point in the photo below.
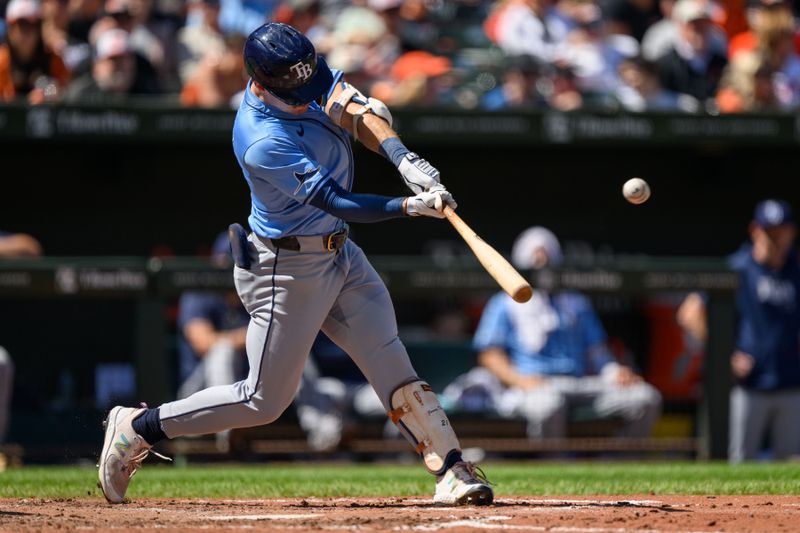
(300, 132)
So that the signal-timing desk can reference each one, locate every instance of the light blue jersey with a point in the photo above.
(285, 158)
(568, 348)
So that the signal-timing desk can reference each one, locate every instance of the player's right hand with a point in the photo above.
(418, 174)
(742, 364)
(430, 204)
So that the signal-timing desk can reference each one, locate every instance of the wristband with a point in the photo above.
(394, 150)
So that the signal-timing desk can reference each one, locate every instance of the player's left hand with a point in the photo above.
(429, 204)
(418, 174)
(448, 197)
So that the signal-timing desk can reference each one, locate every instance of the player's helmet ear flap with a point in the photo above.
(284, 62)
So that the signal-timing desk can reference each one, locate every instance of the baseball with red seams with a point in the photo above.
(636, 191)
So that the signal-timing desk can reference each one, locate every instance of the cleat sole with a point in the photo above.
(481, 496)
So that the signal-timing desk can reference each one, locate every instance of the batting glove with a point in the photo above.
(429, 204)
(448, 198)
(419, 175)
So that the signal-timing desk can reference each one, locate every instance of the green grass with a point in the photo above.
(320, 480)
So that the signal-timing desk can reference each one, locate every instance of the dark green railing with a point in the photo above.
(163, 124)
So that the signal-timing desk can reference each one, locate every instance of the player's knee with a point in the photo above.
(650, 399)
(545, 405)
(643, 402)
(267, 411)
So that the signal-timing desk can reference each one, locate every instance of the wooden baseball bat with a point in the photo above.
(495, 264)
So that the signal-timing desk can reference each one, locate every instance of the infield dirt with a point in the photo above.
(625, 514)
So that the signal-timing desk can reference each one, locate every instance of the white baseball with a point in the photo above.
(636, 191)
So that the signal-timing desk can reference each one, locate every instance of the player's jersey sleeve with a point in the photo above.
(284, 165)
(494, 329)
(338, 76)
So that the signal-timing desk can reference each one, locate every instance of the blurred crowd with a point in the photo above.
(637, 55)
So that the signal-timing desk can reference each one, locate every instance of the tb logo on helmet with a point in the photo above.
(302, 70)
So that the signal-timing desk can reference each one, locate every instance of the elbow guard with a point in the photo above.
(368, 105)
(419, 416)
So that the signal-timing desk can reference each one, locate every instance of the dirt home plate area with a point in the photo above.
(625, 514)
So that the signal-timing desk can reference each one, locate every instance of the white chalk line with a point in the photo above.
(485, 524)
(264, 516)
(580, 503)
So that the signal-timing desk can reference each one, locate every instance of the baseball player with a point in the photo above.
(297, 272)
(766, 363)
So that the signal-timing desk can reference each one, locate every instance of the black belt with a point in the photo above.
(332, 242)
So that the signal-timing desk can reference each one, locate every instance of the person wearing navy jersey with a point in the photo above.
(212, 326)
(766, 361)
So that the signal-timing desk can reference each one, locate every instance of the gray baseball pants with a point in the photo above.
(546, 407)
(291, 296)
(217, 367)
(753, 413)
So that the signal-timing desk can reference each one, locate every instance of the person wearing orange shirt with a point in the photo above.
(27, 68)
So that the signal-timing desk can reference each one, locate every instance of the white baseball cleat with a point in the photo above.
(463, 484)
(123, 453)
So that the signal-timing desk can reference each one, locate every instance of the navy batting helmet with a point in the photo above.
(284, 62)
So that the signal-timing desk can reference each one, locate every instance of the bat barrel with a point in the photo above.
(495, 264)
(523, 293)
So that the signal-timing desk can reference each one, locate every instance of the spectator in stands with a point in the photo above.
(303, 15)
(213, 328)
(243, 16)
(332, 391)
(759, 13)
(528, 27)
(28, 68)
(117, 72)
(417, 78)
(767, 77)
(641, 90)
(775, 36)
(152, 40)
(219, 80)
(560, 88)
(631, 17)
(11, 245)
(733, 18)
(362, 45)
(692, 67)
(55, 21)
(200, 37)
(518, 86)
(766, 363)
(747, 85)
(82, 16)
(542, 358)
(594, 55)
(657, 41)
(659, 38)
